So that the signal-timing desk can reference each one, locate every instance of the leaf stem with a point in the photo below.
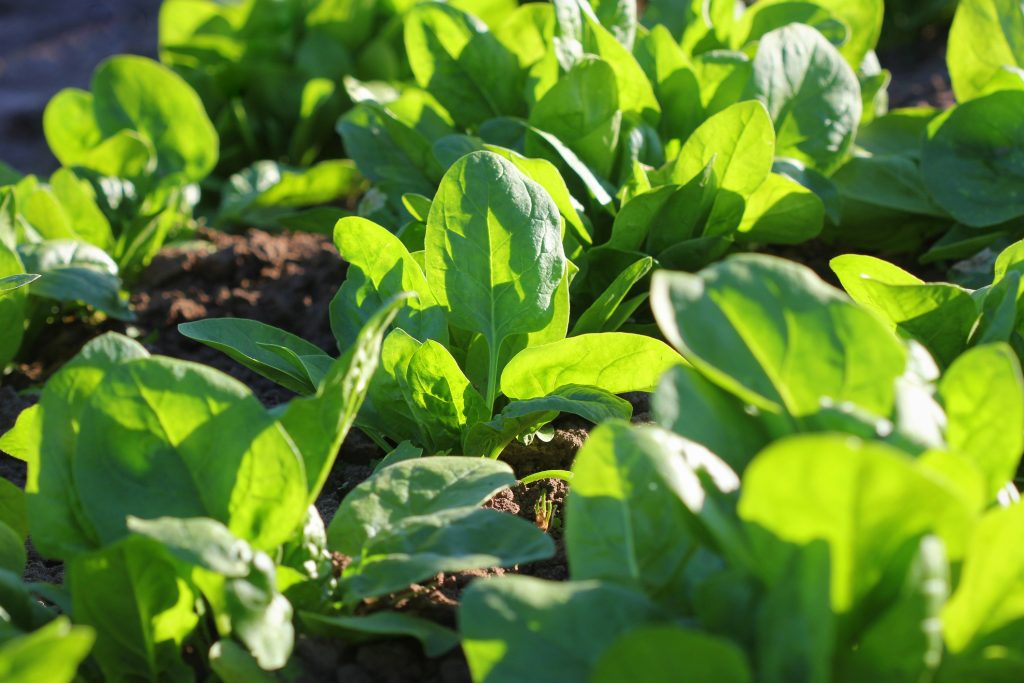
(564, 475)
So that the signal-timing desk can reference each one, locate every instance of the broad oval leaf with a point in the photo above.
(812, 95)
(617, 362)
(986, 47)
(152, 444)
(974, 163)
(772, 333)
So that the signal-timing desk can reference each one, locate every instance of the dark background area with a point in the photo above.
(47, 45)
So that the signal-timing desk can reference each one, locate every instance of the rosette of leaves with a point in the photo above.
(134, 149)
(799, 554)
(949, 175)
(164, 544)
(662, 151)
(481, 357)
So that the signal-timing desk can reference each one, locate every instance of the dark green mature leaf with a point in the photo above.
(852, 496)
(986, 48)
(693, 407)
(252, 344)
(265, 191)
(451, 540)
(974, 163)
(413, 488)
(744, 322)
(394, 155)
(51, 654)
(905, 642)
(669, 654)
(941, 316)
(617, 362)
(436, 639)
(71, 270)
(494, 256)
(455, 58)
(795, 625)
(144, 449)
(982, 394)
(519, 628)
(234, 664)
(812, 95)
(45, 437)
(632, 488)
(141, 609)
(607, 310)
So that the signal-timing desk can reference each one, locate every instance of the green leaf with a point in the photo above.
(240, 584)
(739, 144)
(318, 424)
(983, 397)
(461, 63)
(380, 267)
(413, 488)
(452, 540)
(140, 608)
(693, 407)
(743, 323)
(982, 621)
(436, 639)
(144, 449)
(72, 270)
(669, 654)
(905, 642)
(518, 628)
(520, 418)
(251, 343)
(12, 303)
(602, 315)
(494, 253)
(631, 489)
(234, 664)
(851, 496)
(45, 437)
(582, 110)
(781, 211)
(940, 316)
(974, 163)
(986, 48)
(391, 153)
(134, 95)
(812, 95)
(614, 361)
(51, 654)
(267, 190)
(891, 181)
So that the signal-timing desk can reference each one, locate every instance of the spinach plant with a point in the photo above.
(134, 149)
(165, 546)
(489, 320)
(947, 175)
(672, 548)
(660, 139)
